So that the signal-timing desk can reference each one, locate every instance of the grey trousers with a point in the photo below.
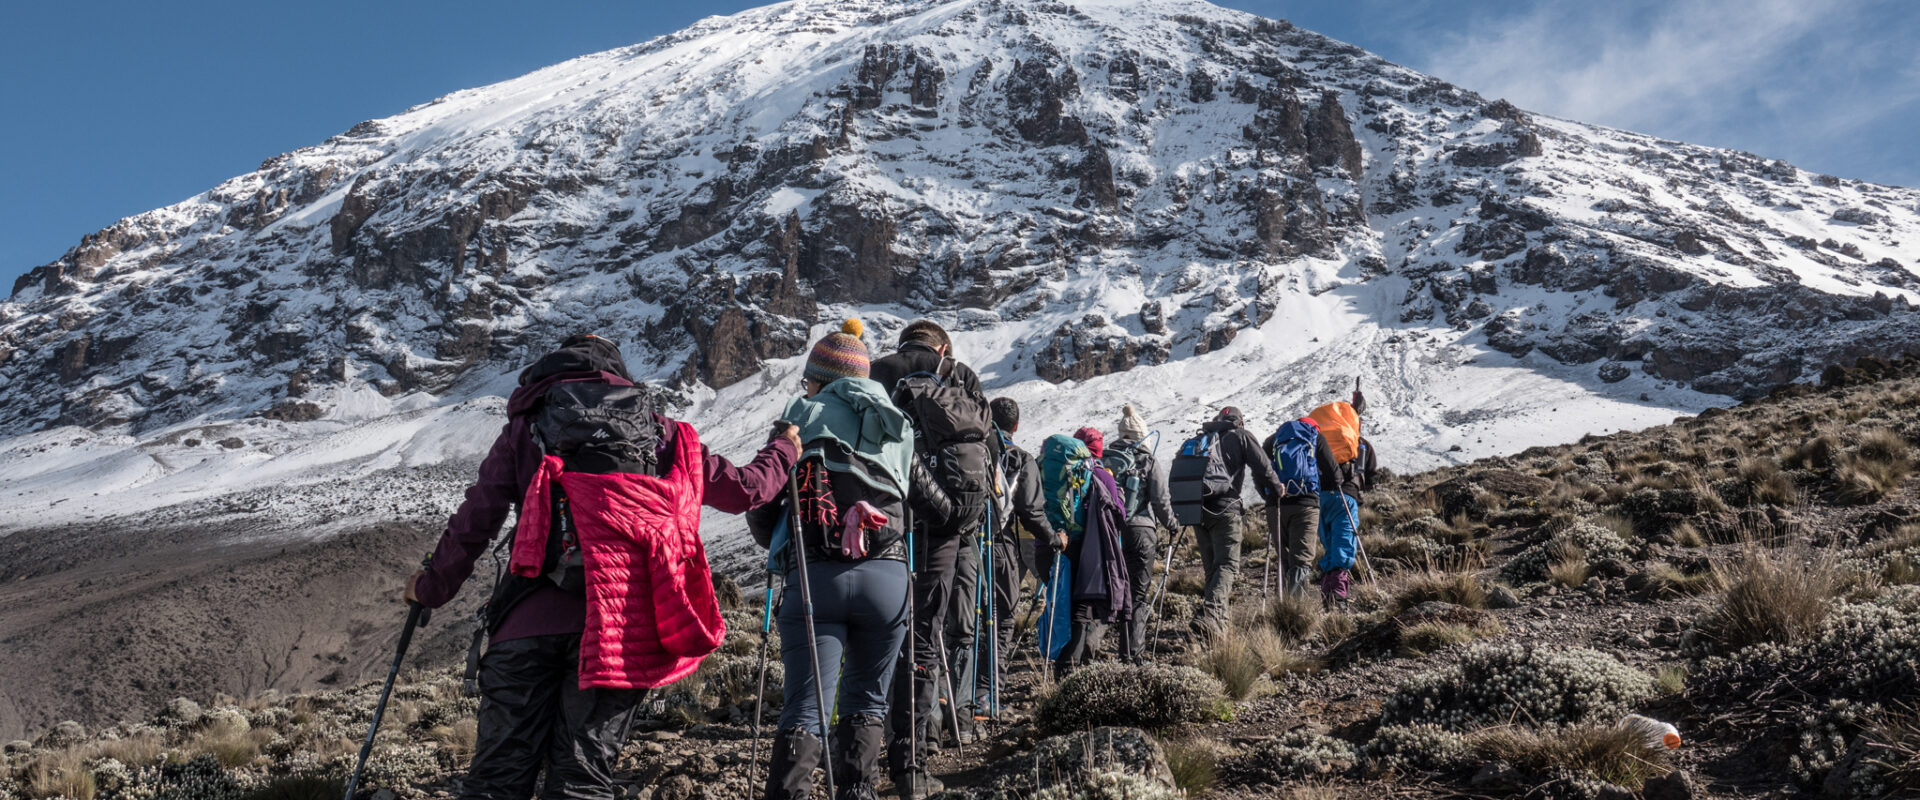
(1299, 529)
(1219, 539)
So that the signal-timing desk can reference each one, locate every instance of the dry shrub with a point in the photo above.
(1665, 580)
(459, 737)
(1195, 763)
(1893, 750)
(1429, 637)
(1766, 485)
(1670, 679)
(1336, 627)
(1875, 468)
(1458, 588)
(1616, 754)
(1900, 571)
(1772, 596)
(1295, 617)
(1819, 454)
(1187, 582)
(1568, 566)
(1685, 535)
(1237, 661)
(62, 773)
(300, 787)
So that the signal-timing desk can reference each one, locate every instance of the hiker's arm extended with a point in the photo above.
(1159, 502)
(1266, 478)
(478, 520)
(1030, 505)
(734, 490)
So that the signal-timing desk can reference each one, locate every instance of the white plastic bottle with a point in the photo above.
(1657, 733)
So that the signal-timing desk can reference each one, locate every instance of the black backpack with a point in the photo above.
(829, 483)
(595, 428)
(952, 429)
(1198, 473)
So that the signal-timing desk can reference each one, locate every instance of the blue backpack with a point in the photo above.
(1293, 457)
(1066, 468)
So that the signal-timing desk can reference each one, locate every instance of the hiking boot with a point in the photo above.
(856, 764)
(916, 783)
(790, 775)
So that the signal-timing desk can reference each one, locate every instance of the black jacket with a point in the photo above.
(1022, 474)
(915, 357)
(1242, 454)
(1323, 459)
(1157, 504)
(1358, 475)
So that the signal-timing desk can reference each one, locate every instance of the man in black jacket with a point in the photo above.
(925, 349)
(1219, 528)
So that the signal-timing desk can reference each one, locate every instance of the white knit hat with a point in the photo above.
(1132, 427)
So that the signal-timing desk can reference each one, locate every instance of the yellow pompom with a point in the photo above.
(852, 327)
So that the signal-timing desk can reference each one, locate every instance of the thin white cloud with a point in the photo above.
(1761, 74)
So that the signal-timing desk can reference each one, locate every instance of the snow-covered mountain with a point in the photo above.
(1156, 201)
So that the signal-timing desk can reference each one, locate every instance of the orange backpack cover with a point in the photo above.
(1340, 426)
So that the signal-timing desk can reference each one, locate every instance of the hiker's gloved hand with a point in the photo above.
(407, 595)
(783, 429)
(1059, 542)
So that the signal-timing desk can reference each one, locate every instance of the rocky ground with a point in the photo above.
(1747, 575)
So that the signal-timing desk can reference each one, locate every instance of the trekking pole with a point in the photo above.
(913, 692)
(1358, 546)
(980, 577)
(417, 615)
(1153, 634)
(760, 697)
(1052, 612)
(993, 629)
(946, 677)
(813, 643)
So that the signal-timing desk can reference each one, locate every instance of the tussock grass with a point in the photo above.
(1295, 618)
(1195, 763)
(62, 774)
(1569, 565)
(1665, 580)
(1611, 753)
(1772, 596)
(1670, 679)
(1429, 637)
(1458, 588)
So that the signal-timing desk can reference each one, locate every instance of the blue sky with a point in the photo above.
(113, 108)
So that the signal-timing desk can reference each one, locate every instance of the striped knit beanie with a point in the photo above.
(839, 355)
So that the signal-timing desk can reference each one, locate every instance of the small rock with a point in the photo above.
(663, 736)
(1495, 774)
(1669, 625)
(1613, 792)
(1502, 597)
(655, 748)
(1675, 785)
(385, 794)
(1637, 642)
(17, 746)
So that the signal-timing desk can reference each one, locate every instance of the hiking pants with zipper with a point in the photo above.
(1219, 539)
(534, 713)
(1142, 540)
(1299, 524)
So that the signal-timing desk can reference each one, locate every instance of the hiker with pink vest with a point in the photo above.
(609, 592)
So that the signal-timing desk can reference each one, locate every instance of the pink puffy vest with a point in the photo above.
(651, 613)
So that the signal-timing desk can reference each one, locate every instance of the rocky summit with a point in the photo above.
(1105, 185)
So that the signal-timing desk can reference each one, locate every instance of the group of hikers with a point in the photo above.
(902, 523)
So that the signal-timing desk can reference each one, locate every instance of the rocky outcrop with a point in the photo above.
(1095, 347)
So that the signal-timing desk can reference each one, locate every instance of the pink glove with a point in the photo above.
(858, 520)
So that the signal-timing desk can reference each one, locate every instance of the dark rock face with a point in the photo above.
(1330, 138)
(1092, 349)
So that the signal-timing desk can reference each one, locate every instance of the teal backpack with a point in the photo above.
(1066, 469)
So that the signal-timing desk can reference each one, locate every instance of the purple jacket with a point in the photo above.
(504, 475)
(1100, 563)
